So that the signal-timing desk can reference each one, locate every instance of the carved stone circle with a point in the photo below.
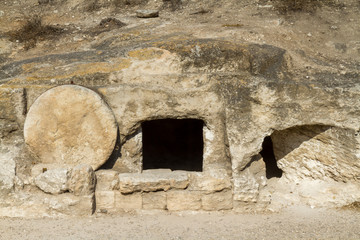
(70, 125)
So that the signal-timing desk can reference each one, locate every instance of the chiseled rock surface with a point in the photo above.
(153, 180)
(107, 180)
(54, 181)
(82, 180)
(128, 201)
(217, 201)
(209, 182)
(154, 200)
(317, 152)
(246, 187)
(7, 173)
(183, 200)
(40, 168)
(29, 205)
(243, 80)
(70, 125)
(105, 199)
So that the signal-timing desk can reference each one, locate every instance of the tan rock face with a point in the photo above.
(217, 201)
(82, 180)
(53, 181)
(154, 200)
(182, 200)
(153, 180)
(107, 180)
(70, 125)
(317, 152)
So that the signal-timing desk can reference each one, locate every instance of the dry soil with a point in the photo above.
(294, 223)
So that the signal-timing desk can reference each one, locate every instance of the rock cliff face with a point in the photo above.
(278, 120)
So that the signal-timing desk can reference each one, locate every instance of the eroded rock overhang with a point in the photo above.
(241, 92)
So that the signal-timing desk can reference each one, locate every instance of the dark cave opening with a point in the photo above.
(176, 144)
(267, 153)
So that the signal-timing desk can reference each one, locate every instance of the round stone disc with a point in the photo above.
(70, 125)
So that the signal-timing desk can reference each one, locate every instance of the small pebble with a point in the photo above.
(147, 13)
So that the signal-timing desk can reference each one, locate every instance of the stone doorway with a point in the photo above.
(175, 144)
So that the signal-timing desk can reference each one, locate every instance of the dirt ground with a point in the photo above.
(294, 223)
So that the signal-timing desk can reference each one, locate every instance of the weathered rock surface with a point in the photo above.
(7, 173)
(246, 187)
(53, 181)
(128, 202)
(70, 125)
(154, 200)
(261, 76)
(153, 180)
(39, 205)
(82, 180)
(217, 201)
(147, 13)
(207, 182)
(40, 168)
(107, 180)
(317, 152)
(180, 200)
(105, 199)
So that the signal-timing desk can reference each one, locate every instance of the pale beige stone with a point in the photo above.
(105, 199)
(107, 180)
(82, 180)
(147, 13)
(154, 200)
(317, 152)
(246, 187)
(139, 104)
(30, 205)
(183, 200)
(128, 201)
(206, 182)
(40, 168)
(131, 154)
(153, 180)
(72, 205)
(217, 201)
(70, 125)
(7, 173)
(53, 181)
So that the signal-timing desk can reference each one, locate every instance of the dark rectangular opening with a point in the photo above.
(267, 153)
(176, 144)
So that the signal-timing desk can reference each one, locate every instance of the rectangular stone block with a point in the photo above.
(128, 201)
(153, 180)
(71, 205)
(217, 201)
(208, 183)
(107, 180)
(183, 200)
(246, 188)
(105, 199)
(154, 200)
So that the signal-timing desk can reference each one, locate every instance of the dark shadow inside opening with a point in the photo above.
(267, 153)
(176, 144)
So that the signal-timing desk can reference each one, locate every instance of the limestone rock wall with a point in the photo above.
(242, 93)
